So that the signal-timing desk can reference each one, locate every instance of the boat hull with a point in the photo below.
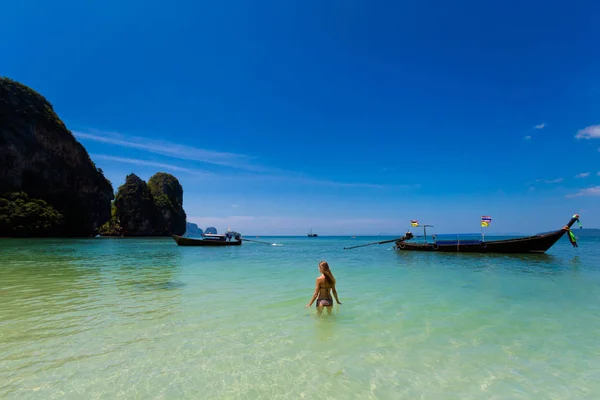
(526, 245)
(184, 241)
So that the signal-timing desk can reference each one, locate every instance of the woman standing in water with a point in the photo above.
(325, 286)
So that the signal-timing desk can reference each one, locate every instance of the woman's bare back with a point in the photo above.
(324, 288)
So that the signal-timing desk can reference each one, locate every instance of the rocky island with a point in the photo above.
(193, 229)
(49, 186)
(147, 209)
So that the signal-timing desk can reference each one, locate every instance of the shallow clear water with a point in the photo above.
(143, 318)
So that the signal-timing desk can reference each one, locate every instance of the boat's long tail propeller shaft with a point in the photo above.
(571, 235)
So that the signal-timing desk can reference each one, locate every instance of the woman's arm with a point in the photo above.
(315, 294)
(335, 294)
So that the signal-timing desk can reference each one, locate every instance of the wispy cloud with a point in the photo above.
(590, 132)
(246, 170)
(173, 150)
(592, 191)
(557, 180)
(235, 205)
(534, 128)
(136, 161)
(582, 175)
(305, 180)
(598, 173)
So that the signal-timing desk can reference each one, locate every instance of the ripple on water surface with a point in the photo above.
(143, 318)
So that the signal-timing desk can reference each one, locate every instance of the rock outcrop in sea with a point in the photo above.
(147, 209)
(211, 230)
(192, 229)
(135, 209)
(49, 186)
(168, 199)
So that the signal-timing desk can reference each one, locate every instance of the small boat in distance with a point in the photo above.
(209, 240)
(539, 243)
(311, 234)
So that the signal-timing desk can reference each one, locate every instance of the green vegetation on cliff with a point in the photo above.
(40, 157)
(112, 226)
(136, 212)
(168, 199)
(152, 209)
(20, 216)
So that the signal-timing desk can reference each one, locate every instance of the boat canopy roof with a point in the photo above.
(231, 233)
(455, 242)
(449, 235)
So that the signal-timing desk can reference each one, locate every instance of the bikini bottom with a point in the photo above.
(325, 305)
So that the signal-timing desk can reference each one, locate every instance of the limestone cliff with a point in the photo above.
(40, 157)
(168, 198)
(152, 209)
(135, 210)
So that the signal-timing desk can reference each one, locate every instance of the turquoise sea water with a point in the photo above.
(145, 319)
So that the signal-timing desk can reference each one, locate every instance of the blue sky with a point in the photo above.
(345, 117)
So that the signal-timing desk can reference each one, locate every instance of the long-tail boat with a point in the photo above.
(539, 243)
(209, 240)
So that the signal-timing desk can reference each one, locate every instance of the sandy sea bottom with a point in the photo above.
(143, 318)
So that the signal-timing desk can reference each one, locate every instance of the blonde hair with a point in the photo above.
(324, 268)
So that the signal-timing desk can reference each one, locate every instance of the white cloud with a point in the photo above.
(592, 191)
(136, 161)
(590, 132)
(540, 126)
(171, 149)
(235, 205)
(598, 173)
(582, 175)
(527, 138)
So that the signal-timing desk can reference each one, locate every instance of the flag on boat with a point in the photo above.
(414, 222)
(485, 221)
